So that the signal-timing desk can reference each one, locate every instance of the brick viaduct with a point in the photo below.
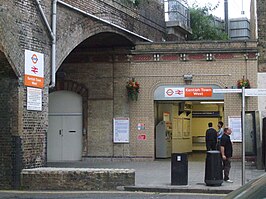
(23, 133)
(95, 40)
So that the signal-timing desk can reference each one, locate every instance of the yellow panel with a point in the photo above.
(200, 125)
(205, 107)
(181, 145)
(177, 127)
(181, 138)
(186, 128)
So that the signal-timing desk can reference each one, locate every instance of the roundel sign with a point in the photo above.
(174, 92)
(34, 59)
(169, 92)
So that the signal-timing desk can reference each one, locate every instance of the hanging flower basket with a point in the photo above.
(243, 83)
(133, 89)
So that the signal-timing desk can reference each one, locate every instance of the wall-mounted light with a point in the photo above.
(209, 56)
(183, 57)
(212, 102)
(156, 57)
(188, 78)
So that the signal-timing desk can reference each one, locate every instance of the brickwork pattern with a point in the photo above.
(73, 27)
(151, 74)
(21, 28)
(143, 19)
(106, 87)
(33, 132)
(8, 122)
(98, 79)
(25, 30)
(76, 179)
(5, 137)
(8, 128)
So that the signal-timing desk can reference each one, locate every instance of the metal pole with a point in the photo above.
(52, 34)
(243, 136)
(53, 53)
(226, 17)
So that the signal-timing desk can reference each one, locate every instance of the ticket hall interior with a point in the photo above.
(180, 126)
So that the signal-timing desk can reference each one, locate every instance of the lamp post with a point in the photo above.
(243, 136)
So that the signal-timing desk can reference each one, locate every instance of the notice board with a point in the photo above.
(34, 99)
(235, 124)
(121, 130)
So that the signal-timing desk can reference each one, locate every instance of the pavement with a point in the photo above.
(155, 176)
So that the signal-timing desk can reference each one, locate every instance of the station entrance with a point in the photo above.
(181, 124)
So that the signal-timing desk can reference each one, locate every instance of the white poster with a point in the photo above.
(34, 99)
(235, 124)
(121, 130)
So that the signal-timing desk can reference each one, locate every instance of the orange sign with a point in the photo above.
(30, 80)
(198, 92)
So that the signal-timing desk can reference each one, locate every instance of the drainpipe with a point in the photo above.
(52, 34)
(53, 64)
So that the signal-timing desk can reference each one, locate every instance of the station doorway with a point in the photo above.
(180, 126)
(64, 137)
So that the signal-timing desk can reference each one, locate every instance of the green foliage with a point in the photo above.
(203, 25)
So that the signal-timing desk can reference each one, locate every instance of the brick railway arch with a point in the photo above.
(94, 33)
(82, 67)
(7, 66)
(24, 29)
(9, 124)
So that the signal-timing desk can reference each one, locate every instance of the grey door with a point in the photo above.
(64, 137)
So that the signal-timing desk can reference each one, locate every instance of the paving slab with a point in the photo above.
(155, 176)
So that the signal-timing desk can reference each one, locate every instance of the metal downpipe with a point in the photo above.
(53, 64)
(52, 34)
(45, 19)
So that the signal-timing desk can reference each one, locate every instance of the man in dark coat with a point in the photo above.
(226, 153)
(211, 138)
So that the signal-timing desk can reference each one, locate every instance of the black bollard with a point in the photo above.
(179, 169)
(213, 169)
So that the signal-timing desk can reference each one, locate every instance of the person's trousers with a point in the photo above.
(226, 167)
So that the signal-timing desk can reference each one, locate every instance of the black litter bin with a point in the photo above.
(213, 169)
(179, 169)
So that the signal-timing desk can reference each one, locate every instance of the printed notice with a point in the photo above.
(235, 125)
(121, 130)
(34, 99)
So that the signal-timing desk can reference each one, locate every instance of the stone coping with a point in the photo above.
(63, 170)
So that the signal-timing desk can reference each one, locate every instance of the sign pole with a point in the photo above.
(245, 92)
(243, 136)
